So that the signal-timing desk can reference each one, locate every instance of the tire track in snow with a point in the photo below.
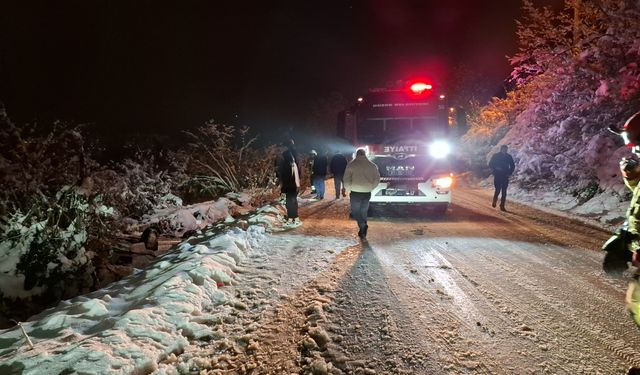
(551, 305)
(460, 313)
(580, 237)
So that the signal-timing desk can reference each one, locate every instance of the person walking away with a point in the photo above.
(360, 177)
(502, 167)
(319, 173)
(336, 167)
(289, 176)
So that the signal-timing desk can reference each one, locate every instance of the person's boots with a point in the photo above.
(362, 233)
(502, 207)
(493, 204)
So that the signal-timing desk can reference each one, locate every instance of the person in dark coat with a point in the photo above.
(312, 156)
(337, 166)
(289, 176)
(502, 167)
(319, 173)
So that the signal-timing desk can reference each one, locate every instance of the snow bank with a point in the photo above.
(135, 323)
(162, 319)
(177, 220)
(605, 209)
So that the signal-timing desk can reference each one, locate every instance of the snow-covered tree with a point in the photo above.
(575, 74)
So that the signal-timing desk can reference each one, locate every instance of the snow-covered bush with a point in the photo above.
(222, 159)
(201, 188)
(38, 159)
(44, 249)
(135, 186)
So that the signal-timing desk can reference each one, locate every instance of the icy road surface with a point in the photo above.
(478, 291)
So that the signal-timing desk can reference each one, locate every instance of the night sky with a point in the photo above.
(159, 66)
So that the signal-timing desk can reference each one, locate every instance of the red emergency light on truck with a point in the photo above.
(406, 133)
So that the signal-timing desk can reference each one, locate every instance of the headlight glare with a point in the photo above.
(443, 182)
(439, 149)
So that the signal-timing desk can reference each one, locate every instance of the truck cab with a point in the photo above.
(405, 132)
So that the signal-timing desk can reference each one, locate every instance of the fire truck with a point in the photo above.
(405, 132)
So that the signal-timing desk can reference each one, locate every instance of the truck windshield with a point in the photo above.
(379, 131)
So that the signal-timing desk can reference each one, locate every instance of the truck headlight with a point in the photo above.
(443, 182)
(439, 149)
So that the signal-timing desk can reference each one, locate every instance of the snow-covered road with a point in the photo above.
(477, 291)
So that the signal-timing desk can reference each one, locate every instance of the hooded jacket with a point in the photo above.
(361, 175)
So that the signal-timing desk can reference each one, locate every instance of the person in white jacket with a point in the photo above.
(360, 177)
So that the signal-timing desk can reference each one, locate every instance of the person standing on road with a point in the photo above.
(319, 173)
(502, 167)
(630, 169)
(337, 166)
(289, 176)
(312, 156)
(360, 177)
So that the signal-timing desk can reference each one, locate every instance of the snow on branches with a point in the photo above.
(576, 73)
(223, 158)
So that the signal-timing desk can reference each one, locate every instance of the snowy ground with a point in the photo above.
(263, 300)
(194, 294)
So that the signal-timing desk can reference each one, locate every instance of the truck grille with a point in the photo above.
(400, 170)
(413, 167)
